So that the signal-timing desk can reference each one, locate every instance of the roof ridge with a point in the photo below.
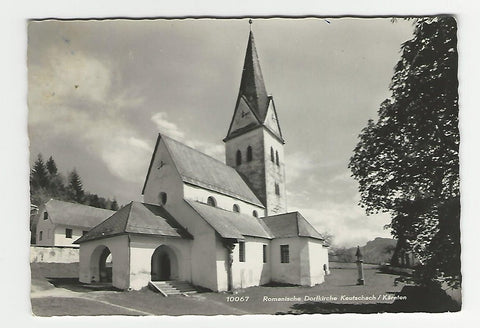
(194, 149)
(128, 215)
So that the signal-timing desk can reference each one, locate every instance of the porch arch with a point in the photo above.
(164, 264)
(101, 265)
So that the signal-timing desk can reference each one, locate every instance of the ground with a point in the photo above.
(56, 291)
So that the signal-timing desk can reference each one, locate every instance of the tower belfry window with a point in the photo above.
(276, 158)
(272, 155)
(239, 157)
(249, 154)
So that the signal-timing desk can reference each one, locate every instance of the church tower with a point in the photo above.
(254, 143)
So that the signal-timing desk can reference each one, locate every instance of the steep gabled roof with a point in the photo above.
(253, 94)
(252, 86)
(75, 215)
(290, 225)
(201, 170)
(230, 225)
(137, 218)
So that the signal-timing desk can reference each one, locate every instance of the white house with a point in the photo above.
(216, 225)
(60, 223)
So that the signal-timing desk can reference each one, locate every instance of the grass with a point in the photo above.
(71, 298)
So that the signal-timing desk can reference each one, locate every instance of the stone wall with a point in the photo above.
(54, 254)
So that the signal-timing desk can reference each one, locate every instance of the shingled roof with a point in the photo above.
(137, 218)
(230, 225)
(201, 170)
(75, 215)
(290, 225)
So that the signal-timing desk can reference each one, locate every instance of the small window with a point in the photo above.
(163, 198)
(236, 208)
(84, 232)
(284, 254)
(45, 215)
(249, 154)
(277, 161)
(68, 233)
(211, 201)
(272, 155)
(277, 189)
(40, 236)
(255, 213)
(241, 251)
(239, 157)
(264, 253)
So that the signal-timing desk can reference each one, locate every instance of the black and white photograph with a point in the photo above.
(244, 165)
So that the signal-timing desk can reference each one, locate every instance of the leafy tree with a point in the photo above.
(75, 187)
(328, 237)
(406, 163)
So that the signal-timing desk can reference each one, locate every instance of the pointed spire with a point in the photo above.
(252, 86)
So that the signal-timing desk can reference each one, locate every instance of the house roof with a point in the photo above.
(75, 215)
(201, 170)
(137, 218)
(290, 225)
(231, 225)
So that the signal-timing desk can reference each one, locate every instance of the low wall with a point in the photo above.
(54, 254)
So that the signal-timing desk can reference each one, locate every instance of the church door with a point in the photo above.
(165, 267)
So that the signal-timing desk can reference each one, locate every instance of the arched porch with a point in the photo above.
(164, 264)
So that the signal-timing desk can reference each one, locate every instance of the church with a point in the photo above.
(220, 226)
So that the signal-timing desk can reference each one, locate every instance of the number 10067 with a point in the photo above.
(237, 298)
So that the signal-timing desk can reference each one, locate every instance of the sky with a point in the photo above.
(100, 91)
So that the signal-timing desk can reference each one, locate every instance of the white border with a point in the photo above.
(15, 304)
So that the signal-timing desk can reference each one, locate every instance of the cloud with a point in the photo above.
(172, 130)
(346, 221)
(71, 96)
(167, 127)
(298, 165)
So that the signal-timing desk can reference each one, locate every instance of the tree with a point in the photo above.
(114, 205)
(38, 174)
(51, 166)
(328, 237)
(406, 163)
(75, 187)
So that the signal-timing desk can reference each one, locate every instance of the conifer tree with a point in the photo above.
(39, 176)
(51, 166)
(75, 187)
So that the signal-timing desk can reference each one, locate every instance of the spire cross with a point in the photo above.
(250, 21)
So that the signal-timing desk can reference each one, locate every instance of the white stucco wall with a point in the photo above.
(60, 238)
(223, 201)
(287, 272)
(317, 257)
(55, 235)
(47, 228)
(203, 246)
(165, 179)
(252, 272)
(118, 246)
(54, 254)
(141, 251)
